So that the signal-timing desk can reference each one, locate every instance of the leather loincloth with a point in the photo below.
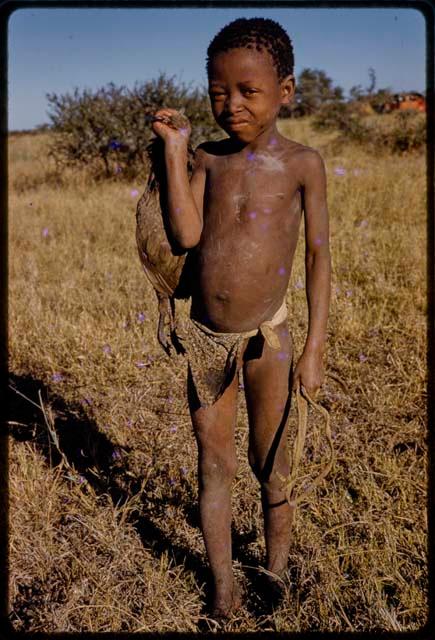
(213, 356)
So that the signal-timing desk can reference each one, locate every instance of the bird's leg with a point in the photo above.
(164, 316)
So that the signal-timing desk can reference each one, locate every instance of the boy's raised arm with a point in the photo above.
(309, 369)
(184, 198)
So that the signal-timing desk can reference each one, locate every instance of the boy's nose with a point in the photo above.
(233, 103)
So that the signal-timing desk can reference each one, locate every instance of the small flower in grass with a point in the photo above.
(129, 423)
(362, 357)
(81, 479)
(45, 232)
(170, 399)
(349, 293)
(116, 455)
(171, 481)
(173, 428)
(114, 145)
(340, 171)
(140, 365)
(117, 169)
(87, 401)
(57, 377)
(183, 471)
(107, 348)
(363, 224)
(140, 317)
(134, 193)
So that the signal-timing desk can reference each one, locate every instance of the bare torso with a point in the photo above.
(252, 213)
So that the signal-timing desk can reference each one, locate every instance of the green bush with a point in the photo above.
(398, 132)
(109, 129)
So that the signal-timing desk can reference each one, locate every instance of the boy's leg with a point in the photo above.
(267, 379)
(217, 464)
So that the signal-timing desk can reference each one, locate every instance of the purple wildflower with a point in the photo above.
(299, 284)
(45, 232)
(349, 293)
(363, 224)
(173, 428)
(117, 169)
(107, 348)
(129, 423)
(116, 455)
(57, 377)
(340, 171)
(134, 193)
(362, 357)
(171, 481)
(183, 470)
(114, 145)
(140, 317)
(140, 365)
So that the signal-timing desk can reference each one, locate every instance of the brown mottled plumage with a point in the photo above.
(164, 263)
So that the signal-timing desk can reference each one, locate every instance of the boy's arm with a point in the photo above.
(184, 199)
(309, 369)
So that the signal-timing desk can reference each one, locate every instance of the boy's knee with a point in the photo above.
(219, 469)
(266, 473)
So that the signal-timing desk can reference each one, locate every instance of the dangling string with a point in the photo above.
(303, 399)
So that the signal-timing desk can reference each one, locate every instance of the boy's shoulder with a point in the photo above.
(306, 160)
(214, 147)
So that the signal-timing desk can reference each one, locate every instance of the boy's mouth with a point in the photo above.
(235, 123)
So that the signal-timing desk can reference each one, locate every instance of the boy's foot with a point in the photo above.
(223, 609)
(274, 588)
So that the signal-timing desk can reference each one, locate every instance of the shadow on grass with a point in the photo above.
(90, 454)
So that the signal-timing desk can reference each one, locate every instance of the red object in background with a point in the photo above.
(406, 101)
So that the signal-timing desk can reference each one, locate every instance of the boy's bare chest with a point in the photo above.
(237, 191)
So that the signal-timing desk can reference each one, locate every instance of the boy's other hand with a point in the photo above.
(171, 126)
(309, 372)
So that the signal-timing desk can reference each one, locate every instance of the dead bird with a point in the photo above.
(166, 265)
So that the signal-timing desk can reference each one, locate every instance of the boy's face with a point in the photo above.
(245, 92)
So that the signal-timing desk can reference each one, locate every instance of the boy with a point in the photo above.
(242, 211)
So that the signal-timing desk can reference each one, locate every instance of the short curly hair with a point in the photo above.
(258, 33)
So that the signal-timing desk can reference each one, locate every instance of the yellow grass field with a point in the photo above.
(104, 530)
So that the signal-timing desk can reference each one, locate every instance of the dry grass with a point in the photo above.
(104, 535)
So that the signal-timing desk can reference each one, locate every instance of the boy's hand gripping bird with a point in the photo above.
(164, 263)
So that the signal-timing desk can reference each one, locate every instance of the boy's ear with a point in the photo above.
(287, 89)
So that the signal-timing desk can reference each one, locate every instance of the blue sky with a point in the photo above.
(56, 50)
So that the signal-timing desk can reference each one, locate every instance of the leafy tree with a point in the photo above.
(314, 89)
(109, 129)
